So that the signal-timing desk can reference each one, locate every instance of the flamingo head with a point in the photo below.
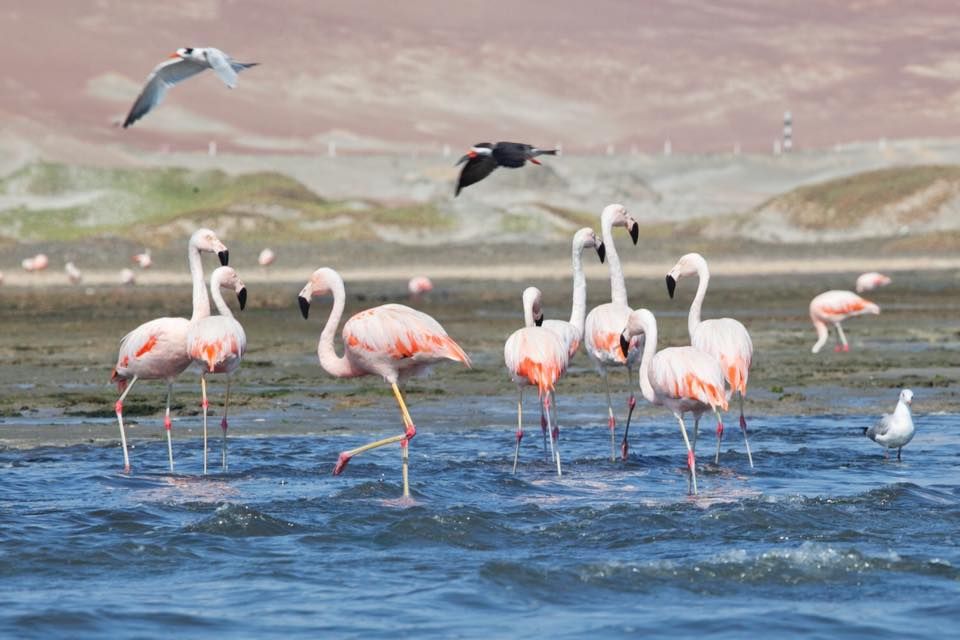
(640, 322)
(616, 215)
(322, 281)
(207, 240)
(689, 265)
(587, 238)
(228, 278)
(532, 311)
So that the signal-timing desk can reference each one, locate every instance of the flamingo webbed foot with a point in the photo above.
(342, 462)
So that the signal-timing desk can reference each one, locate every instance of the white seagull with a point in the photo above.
(894, 430)
(178, 67)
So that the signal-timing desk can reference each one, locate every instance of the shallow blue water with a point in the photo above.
(822, 538)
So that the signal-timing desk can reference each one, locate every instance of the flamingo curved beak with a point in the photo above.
(304, 306)
(624, 345)
(635, 232)
(671, 285)
(538, 320)
(224, 257)
(602, 252)
(242, 297)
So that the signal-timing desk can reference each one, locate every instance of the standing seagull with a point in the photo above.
(392, 341)
(834, 307)
(536, 356)
(484, 157)
(894, 430)
(682, 379)
(157, 350)
(605, 322)
(725, 339)
(183, 64)
(217, 344)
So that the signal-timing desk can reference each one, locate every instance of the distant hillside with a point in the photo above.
(874, 204)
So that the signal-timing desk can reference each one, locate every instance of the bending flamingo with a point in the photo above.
(682, 379)
(217, 344)
(392, 341)
(725, 339)
(143, 260)
(834, 307)
(157, 350)
(605, 322)
(536, 356)
(871, 280)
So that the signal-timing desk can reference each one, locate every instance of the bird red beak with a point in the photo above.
(535, 161)
(471, 154)
(173, 55)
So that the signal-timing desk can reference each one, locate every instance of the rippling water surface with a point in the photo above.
(822, 538)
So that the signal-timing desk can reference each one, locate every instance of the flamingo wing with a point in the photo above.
(833, 306)
(686, 373)
(729, 342)
(537, 356)
(155, 349)
(401, 333)
(567, 333)
(602, 330)
(217, 342)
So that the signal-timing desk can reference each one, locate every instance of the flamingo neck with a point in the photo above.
(649, 350)
(201, 303)
(218, 301)
(578, 309)
(618, 288)
(333, 364)
(693, 320)
(528, 320)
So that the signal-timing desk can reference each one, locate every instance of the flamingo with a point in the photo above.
(682, 379)
(871, 280)
(266, 257)
(894, 430)
(536, 356)
(392, 341)
(143, 260)
(157, 350)
(725, 339)
(127, 277)
(604, 323)
(73, 274)
(834, 307)
(217, 344)
(38, 262)
(419, 285)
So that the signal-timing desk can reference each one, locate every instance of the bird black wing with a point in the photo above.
(511, 154)
(164, 76)
(475, 170)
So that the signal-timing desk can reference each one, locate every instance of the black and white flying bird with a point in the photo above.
(178, 67)
(484, 157)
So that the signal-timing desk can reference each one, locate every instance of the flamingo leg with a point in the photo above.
(516, 451)
(543, 430)
(743, 428)
(631, 405)
(691, 457)
(841, 340)
(168, 426)
(716, 459)
(611, 421)
(204, 404)
(696, 432)
(409, 432)
(550, 402)
(118, 407)
(899, 449)
(223, 426)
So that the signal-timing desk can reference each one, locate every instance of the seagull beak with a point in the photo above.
(602, 252)
(635, 232)
(304, 306)
(671, 285)
(624, 345)
(242, 297)
(224, 257)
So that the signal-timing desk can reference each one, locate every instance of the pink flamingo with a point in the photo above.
(217, 344)
(157, 350)
(871, 280)
(834, 307)
(725, 339)
(266, 257)
(143, 260)
(38, 262)
(127, 277)
(682, 379)
(536, 356)
(419, 285)
(392, 341)
(605, 322)
(73, 274)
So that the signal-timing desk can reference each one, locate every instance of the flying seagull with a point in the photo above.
(181, 65)
(484, 157)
